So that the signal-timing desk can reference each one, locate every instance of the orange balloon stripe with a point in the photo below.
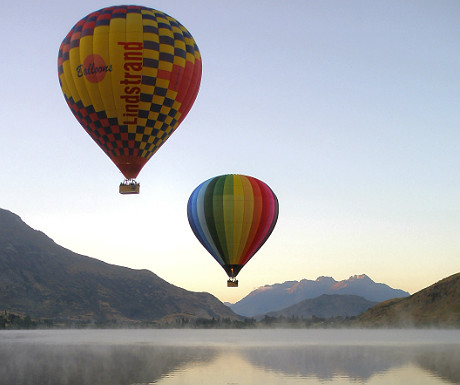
(256, 218)
(268, 218)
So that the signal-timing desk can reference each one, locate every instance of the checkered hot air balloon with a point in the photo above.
(130, 75)
(232, 216)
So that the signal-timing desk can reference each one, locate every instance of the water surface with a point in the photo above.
(279, 356)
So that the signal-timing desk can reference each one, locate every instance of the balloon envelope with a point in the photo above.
(232, 216)
(130, 75)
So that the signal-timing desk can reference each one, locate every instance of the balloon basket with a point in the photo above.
(232, 283)
(129, 187)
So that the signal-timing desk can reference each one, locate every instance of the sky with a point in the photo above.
(348, 110)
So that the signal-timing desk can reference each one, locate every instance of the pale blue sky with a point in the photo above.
(349, 110)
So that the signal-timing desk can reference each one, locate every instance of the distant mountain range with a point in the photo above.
(44, 280)
(272, 298)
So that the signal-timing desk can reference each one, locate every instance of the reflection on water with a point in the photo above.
(88, 365)
(229, 357)
(357, 363)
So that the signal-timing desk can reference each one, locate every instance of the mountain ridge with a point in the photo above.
(269, 298)
(45, 280)
(438, 305)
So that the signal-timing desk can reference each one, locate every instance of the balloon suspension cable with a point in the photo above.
(129, 186)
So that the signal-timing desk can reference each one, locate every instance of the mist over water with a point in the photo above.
(100, 357)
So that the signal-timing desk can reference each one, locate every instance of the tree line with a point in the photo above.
(9, 320)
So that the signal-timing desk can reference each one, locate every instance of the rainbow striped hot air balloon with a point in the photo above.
(232, 216)
(130, 75)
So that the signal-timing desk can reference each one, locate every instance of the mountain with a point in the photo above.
(437, 305)
(44, 280)
(326, 306)
(279, 296)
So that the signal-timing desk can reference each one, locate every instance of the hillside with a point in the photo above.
(279, 296)
(326, 306)
(437, 305)
(44, 280)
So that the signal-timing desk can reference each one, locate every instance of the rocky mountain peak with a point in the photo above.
(360, 277)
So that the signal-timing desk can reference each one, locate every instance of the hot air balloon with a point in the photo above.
(232, 216)
(130, 75)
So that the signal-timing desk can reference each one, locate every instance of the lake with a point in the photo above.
(213, 357)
